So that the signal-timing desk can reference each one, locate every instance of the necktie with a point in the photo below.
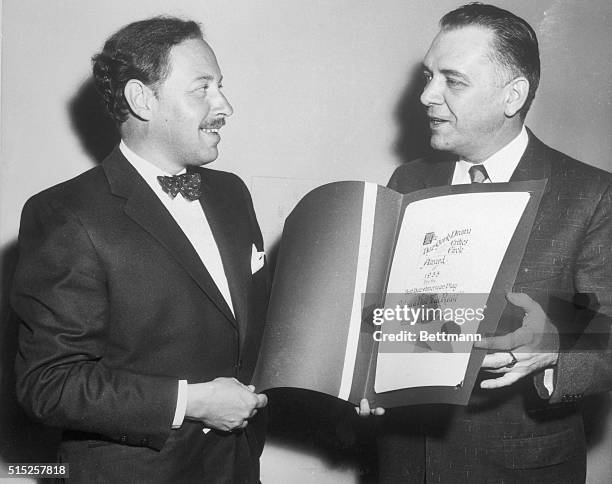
(187, 184)
(478, 174)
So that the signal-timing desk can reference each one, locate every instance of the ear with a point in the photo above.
(140, 98)
(516, 95)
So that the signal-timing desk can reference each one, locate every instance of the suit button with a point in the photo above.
(123, 439)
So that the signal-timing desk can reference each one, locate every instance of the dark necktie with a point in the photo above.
(188, 184)
(478, 174)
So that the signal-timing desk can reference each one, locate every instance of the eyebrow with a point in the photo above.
(205, 77)
(447, 72)
(454, 73)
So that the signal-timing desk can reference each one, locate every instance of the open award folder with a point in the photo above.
(381, 296)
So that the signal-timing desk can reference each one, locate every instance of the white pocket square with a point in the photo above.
(257, 259)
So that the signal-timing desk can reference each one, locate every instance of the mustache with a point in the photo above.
(214, 124)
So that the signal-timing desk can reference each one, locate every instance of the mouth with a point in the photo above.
(435, 122)
(213, 127)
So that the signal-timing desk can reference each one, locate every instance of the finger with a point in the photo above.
(262, 400)
(364, 408)
(520, 337)
(503, 381)
(251, 388)
(503, 369)
(523, 301)
(378, 411)
(496, 360)
(253, 413)
(242, 425)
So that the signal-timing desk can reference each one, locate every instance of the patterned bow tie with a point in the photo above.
(187, 184)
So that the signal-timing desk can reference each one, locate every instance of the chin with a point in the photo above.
(441, 143)
(438, 144)
(206, 158)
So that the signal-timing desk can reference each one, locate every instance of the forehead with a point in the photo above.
(193, 59)
(461, 48)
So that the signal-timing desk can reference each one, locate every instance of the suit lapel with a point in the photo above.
(226, 220)
(143, 206)
(534, 164)
(440, 173)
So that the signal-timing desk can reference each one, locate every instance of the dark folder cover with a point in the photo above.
(337, 254)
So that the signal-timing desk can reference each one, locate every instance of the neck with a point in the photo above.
(146, 149)
(496, 143)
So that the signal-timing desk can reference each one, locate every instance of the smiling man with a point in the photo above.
(523, 422)
(142, 284)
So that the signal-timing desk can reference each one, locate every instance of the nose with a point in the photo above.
(224, 108)
(432, 93)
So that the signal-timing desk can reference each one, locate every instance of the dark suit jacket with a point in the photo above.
(519, 434)
(116, 306)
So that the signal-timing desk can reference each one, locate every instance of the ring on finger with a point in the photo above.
(514, 360)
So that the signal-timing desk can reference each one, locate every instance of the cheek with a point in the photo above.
(481, 113)
(196, 109)
(188, 112)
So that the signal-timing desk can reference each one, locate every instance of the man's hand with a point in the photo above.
(364, 410)
(223, 404)
(535, 346)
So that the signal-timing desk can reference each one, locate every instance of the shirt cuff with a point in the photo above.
(181, 405)
(549, 380)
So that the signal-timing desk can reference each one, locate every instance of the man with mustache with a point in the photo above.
(142, 284)
(523, 422)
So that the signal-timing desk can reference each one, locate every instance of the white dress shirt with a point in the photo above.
(500, 166)
(191, 219)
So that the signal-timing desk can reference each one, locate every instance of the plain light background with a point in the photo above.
(322, 91)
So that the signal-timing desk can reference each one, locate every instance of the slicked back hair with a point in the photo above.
(515, 45)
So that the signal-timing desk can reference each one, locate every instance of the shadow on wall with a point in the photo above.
(413, 133)
(21, 439)
(95, 129)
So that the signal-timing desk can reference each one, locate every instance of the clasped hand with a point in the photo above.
(223, 403)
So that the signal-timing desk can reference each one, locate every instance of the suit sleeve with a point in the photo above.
(585, 358)
(61, 298)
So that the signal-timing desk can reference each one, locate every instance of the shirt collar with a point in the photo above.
(145, 169)
(501, 165)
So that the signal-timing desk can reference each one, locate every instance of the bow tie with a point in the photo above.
(187, 184)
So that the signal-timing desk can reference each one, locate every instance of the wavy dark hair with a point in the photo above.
(139, 50)
(515, 45)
